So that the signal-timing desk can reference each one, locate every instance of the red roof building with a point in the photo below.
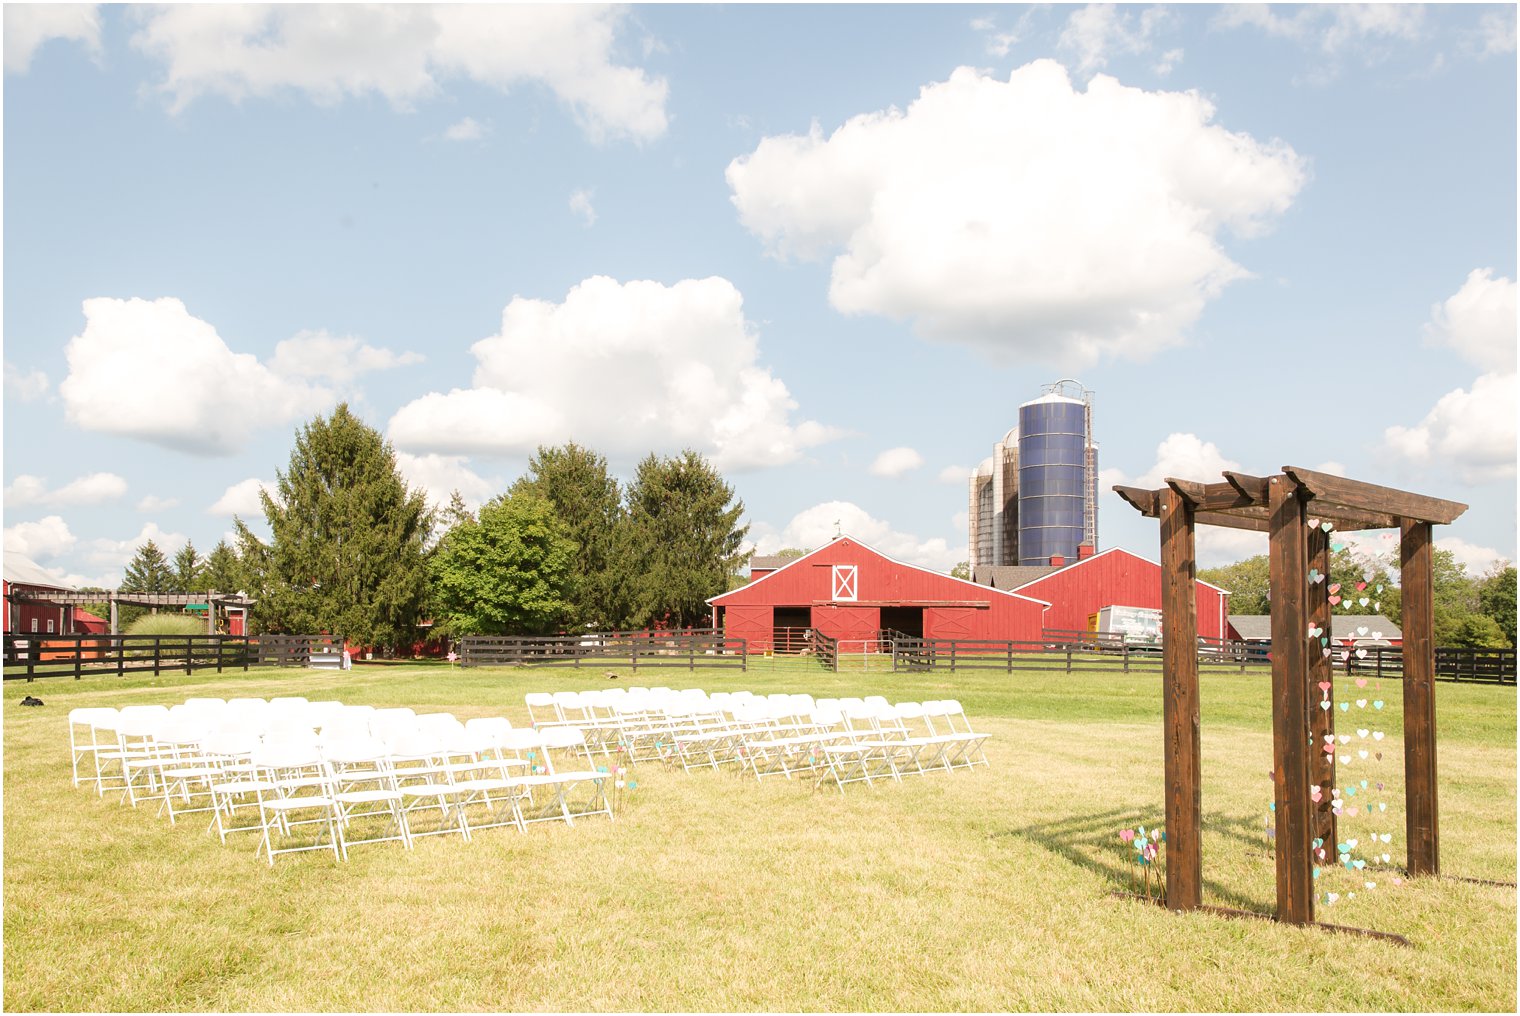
(1117, 578)
(848, 591)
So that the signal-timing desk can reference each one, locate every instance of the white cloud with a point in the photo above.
(468, 129)
(47, 537)
(242, 499)
(28, 26)
(25, 385)
(91, 489)
(896, 462)
(954, 474)
(1477, 560)
(154, 503)
(405, 53)
(1168, 62)
(1095, 31)
(626, 368)
(580, 204)
(113, 555)
(440, 475)
(1495, 34)
(1186, 457)
(1334, 33)
(999, 42)
(1478, 321)
(339, 358)
(1021, 216)
(1189, 457)
(813, 527)
(148, 369)
(1473, 429)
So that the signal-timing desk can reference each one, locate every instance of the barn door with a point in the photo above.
(951, 624)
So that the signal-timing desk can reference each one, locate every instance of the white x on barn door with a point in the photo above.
(845, 576)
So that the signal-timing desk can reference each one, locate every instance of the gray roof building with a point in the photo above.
(1343, 627)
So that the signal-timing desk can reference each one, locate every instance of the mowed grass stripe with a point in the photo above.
(984, 890)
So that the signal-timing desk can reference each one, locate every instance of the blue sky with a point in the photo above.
(831, 248)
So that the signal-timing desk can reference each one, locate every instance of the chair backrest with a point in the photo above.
(349, 750)
(141, 721)
(99, 717)
(563, 737)
(287, 701)
(521, 739)
(201, 700)
(491, 727)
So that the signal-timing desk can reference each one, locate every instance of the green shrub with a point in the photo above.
(167, 624)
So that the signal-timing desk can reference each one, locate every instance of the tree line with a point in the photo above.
(354, 551)
(1471, 611)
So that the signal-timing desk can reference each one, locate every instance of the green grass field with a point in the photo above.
(990, 890)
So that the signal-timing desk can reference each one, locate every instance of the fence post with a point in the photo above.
(31, 659)
(1010, 658)
(1068, 657)
(952, 658)
(156, 654)
(1124, 653)
(78, 656)
(691, 653)
(121, 653)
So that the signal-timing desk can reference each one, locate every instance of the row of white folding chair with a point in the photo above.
(437, 761)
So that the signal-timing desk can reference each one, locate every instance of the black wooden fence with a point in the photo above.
(30, 656)
(688, 649)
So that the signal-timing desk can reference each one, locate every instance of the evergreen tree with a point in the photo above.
(681, 543)
(346, 554)
(187, 569)
(222, 571)
(575, 482)
(148, 571)
(507, 573)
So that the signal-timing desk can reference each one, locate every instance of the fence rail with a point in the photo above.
(28, 657)
(636, 649)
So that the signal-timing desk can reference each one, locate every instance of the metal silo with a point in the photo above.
(1057, 475)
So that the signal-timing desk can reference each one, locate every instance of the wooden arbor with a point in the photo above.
(1283, 507)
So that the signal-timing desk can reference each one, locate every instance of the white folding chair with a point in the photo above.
(420, 762)
(369, 804)
(300, 787)
(98, 723)
(561, 778)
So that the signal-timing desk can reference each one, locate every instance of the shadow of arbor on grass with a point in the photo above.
(1091, 841)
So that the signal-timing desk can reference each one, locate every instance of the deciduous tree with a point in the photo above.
(508, 573)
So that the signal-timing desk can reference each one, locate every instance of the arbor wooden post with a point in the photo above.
(1417, 583)
(1321, 671)
(1180, 714)
(1288, 555)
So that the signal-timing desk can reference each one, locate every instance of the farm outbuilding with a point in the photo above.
(28, 607)
(848, 591)
(1076, 592)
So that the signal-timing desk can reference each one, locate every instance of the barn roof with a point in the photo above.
(1258, 627)
(23, 571)
(793, 562)
(768, 562)
(1010, 576)
(1101, 554)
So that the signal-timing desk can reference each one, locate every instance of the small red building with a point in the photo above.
(23, 577)
(1076, 592)
(848, 591)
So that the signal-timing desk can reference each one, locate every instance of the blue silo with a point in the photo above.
(1055, 477)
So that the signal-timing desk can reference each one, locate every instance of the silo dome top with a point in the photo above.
(1051, 397)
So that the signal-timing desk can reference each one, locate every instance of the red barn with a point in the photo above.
(848, 591)
(23, 577)
(1115, 578)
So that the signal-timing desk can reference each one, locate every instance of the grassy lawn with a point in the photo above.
(970, 891)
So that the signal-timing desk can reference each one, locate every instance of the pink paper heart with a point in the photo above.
(1334, 600)
(1361, 682)
(1325, 686)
